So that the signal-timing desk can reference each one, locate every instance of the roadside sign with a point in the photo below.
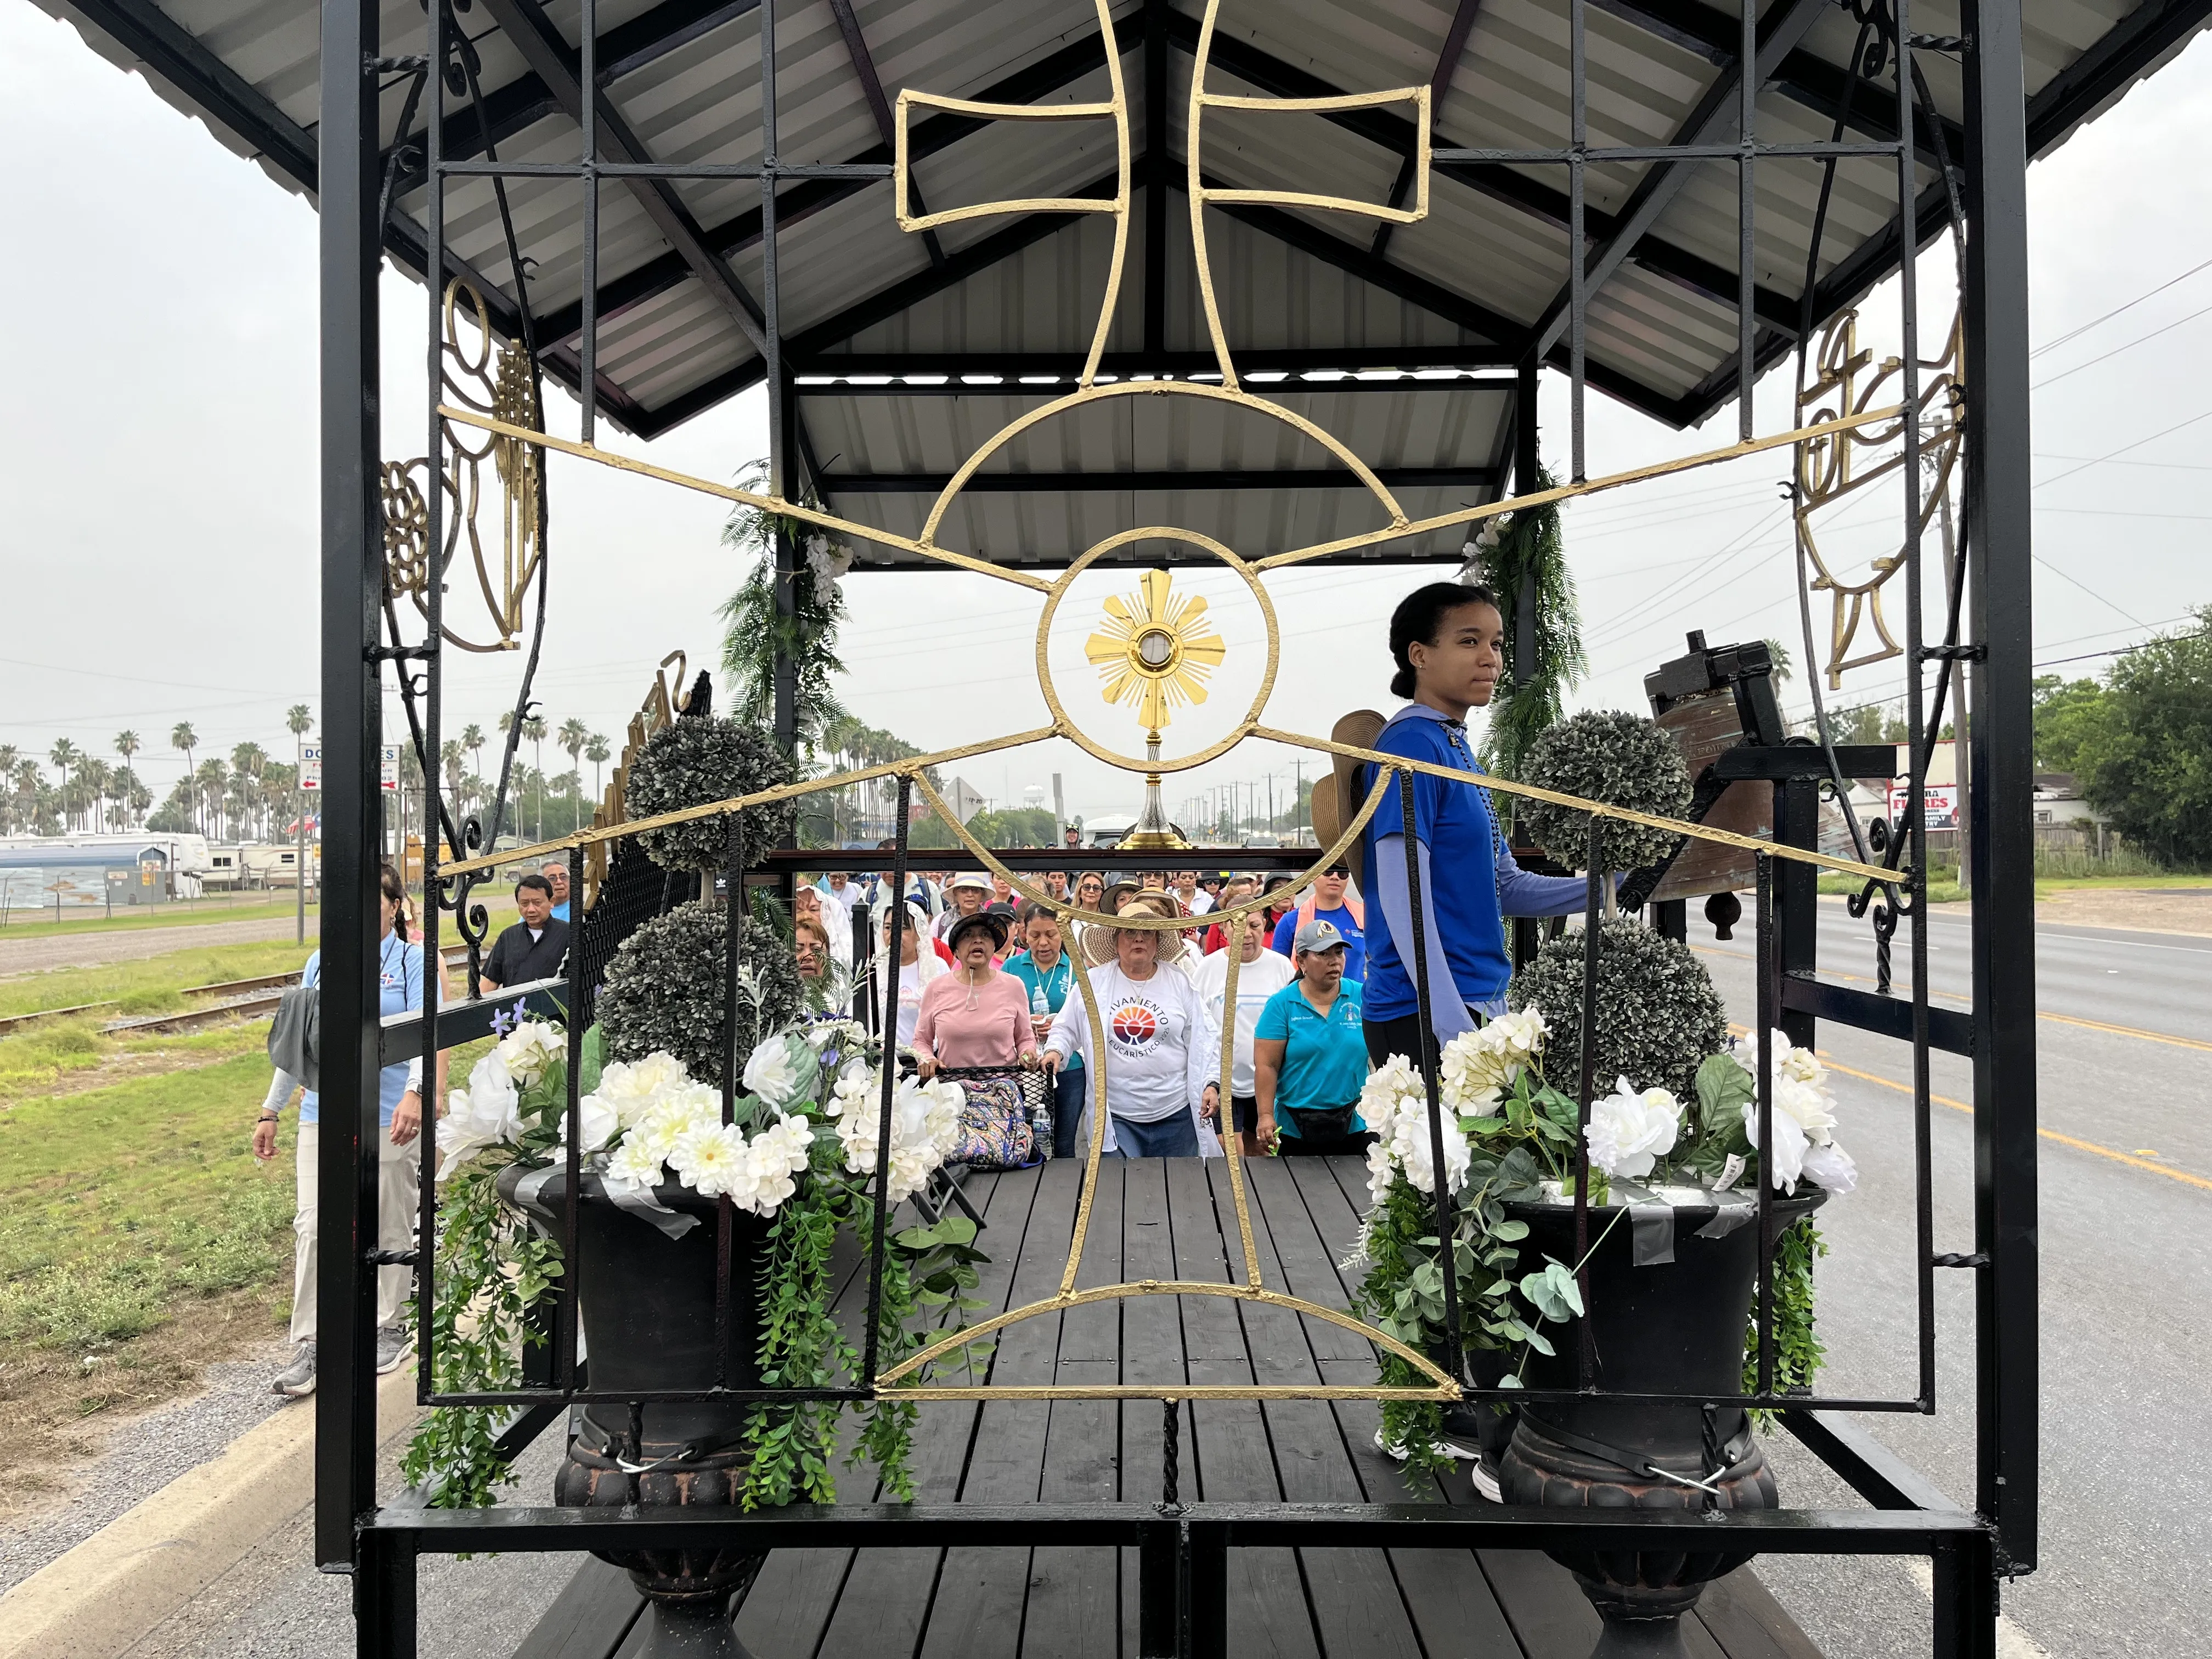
(311, 767)
(1939, 804)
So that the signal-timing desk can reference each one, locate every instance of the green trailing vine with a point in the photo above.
(1528, 547)
(758, 631)
(1799, 1353)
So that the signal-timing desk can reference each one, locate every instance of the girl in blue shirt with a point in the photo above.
(1448, 641)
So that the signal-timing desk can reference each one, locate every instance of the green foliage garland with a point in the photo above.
(1799, 1353)
(1528, 546)
(756, 630)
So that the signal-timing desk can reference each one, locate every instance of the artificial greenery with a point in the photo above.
(1658, 1016)
(1620, 760)
(1527, 549)
(493, 1268)
(758, 630)
(692, 763)
(664, 988)
(1798, 1351)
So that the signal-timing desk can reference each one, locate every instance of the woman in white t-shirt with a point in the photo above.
(1260, 974)
(1161, 1052)
(917, 966)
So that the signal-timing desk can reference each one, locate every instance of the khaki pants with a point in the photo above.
(398, 1184)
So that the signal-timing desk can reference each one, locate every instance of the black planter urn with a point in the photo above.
(1665, 1326)
(647, 1314)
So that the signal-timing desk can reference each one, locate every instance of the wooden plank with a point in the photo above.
(1550, 1616)
(1356, 1603)
(885, 1609)
(1152, 1351)
(589, 1619)
(1742, 1616)
(976, 1612)
(1074, 1603)
(1226, 1452)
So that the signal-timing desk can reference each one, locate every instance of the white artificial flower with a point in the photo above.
(710, 1160)
(1394, 1103)
(1520, 1036)
(1471, 1075)
(675, 1114)
(530, 1048)
(924, 1125)
(632, 1088)
(1805, 1105)
(1631, 1131)
(774, 1073)
(1786, 1165)
(1831, 1166)
(597, 1122)
(633, 1168)
(489, 1107)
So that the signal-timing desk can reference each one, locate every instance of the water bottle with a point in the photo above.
(1041, 1119)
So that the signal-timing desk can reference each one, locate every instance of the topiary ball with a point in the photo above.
(1621, 760)
(690, 763)
(664, 989)
(1658, 1016)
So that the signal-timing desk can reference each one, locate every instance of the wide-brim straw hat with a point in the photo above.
(1098, 947)
(1338, 798)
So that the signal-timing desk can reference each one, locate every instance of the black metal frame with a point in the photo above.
(1183, 1547)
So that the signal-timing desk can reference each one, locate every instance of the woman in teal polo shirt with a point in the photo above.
(1309, 1055)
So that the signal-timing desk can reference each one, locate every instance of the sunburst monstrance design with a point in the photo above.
(1156, 651)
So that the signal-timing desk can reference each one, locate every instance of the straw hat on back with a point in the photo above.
(1098, 941)
(1338, 798)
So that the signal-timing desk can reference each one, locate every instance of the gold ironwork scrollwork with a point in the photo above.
(494, 381)
(1846, 382)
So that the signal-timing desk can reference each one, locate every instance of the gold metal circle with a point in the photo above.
(1065, 723)
(1156, 649)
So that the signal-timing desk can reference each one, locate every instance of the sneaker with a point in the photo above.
(1447, 1447)
(297, 1380)
(394, 1344)
(1485, 1482)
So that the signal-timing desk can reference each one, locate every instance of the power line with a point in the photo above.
(2075, 334)
(2118, 350)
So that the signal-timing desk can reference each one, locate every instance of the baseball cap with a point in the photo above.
(1317, 935)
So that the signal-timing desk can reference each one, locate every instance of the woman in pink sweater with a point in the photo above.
(976, 1015)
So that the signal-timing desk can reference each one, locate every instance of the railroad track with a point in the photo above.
(230, 998)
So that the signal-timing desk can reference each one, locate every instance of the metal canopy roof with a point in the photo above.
(888, 332)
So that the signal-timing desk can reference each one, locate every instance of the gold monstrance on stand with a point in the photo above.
(1155, 652)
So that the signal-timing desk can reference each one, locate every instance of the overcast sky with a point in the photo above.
(158, 447)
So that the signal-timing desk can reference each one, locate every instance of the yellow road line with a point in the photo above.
(2079, 1146)
(2060, 1019)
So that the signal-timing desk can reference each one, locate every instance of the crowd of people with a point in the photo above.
(965, 975)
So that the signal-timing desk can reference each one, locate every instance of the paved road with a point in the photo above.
(2127, 1286)
(31, 956)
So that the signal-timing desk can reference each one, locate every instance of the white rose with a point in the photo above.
(774, 1073)
(489, 1109)
(1786, 1166)
(530, 1047)
(1831, 1166)
(1805, 1106)
(597, 1122)
(1630, 1132)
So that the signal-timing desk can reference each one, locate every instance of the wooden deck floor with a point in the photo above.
(1164, 1218)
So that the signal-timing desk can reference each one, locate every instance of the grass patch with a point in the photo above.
(27, 924)
(122, 1206)
(153, 985)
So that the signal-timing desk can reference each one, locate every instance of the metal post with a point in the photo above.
(1796, 897)
(2003, 837)
(353, 732)
(1585, 1093)
(1424, 1005)
(783, 472)
(1159, 1573)
(1527, 463)
(889, 1037)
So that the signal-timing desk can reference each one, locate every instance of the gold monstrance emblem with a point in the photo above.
(1155, 652)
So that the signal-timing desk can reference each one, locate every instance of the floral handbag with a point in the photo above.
(995, 1132)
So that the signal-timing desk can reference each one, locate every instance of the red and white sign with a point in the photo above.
(311, 767)
(1939, 804)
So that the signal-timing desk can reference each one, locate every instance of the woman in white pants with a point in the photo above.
(400, 1111)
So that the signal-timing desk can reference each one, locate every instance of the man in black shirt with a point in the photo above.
(534, 948)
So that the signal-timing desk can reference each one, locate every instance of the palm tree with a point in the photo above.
(597, 752)
(472, 739)
(10, 757)
(127, 744)
(181, 736)
(247, 763)
(299, 722)
(211, 777)
(575, 734)
(450, 753)
(534, 729)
